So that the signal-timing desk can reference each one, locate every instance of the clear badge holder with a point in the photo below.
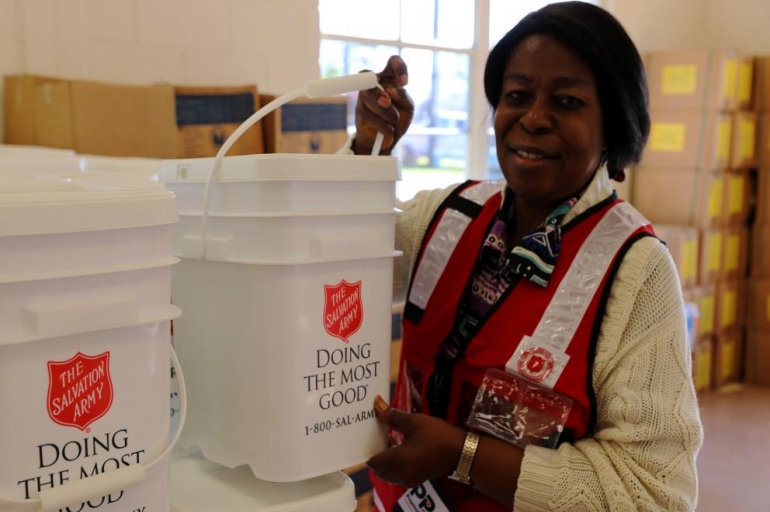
(518, 411)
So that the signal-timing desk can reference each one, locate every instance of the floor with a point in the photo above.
(734, 462)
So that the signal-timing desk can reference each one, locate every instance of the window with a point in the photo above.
(445, 44)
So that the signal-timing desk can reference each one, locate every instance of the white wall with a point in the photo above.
(663, 24)
(694, 24)
(273, 43)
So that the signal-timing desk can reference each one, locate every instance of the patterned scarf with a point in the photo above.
(533, 258)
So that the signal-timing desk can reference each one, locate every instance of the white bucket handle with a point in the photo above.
(313, 89)
(78, 491)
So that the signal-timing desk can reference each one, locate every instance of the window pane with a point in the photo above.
(370, 19)
(416, 150)
(438, 22)
(339, 58)
(504, 14)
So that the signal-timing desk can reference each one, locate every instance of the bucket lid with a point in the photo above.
(199, 485)
(284, 167)
(35, 205)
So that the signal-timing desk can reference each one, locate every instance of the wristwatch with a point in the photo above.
(462, 473)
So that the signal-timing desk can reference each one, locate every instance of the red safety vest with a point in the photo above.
(438, 282)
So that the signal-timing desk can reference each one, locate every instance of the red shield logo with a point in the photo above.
(343, 309)
(79, 390)
(536, 364)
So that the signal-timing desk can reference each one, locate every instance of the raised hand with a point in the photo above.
(387, 111)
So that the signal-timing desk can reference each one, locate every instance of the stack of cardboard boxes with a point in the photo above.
(695, 185)
(163, 121)
(757, 354)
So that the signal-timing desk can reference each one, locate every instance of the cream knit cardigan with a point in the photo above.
(641, 455)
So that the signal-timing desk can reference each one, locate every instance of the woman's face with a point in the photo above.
(548, 123)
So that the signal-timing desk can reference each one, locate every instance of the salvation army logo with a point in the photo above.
(79, 390)
(343, 309)
(536, 364)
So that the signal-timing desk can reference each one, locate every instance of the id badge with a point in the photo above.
(426, 497)
(518, 411)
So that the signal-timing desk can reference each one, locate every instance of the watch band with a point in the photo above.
(462, 473)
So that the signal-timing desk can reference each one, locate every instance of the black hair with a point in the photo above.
(603, 43)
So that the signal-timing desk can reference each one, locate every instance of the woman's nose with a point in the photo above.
(537, 117)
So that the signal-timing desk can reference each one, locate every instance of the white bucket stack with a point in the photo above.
(85, 286)
(285, 340)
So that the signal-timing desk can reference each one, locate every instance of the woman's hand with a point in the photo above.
(431, 447)
(388, 112)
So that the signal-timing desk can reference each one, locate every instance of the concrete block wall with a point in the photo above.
(191, 42)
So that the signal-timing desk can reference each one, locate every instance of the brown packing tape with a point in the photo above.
(756, 359)
(759, 305)
(760, 251)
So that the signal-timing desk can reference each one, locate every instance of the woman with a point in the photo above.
(485, 263)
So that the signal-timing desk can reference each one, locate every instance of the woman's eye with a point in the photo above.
(570, 102)
(516, 96)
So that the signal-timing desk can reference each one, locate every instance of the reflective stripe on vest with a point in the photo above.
(542, 357)
(442, 244)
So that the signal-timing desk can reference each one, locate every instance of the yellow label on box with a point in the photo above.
(707, 314)
(732, 258)
(735, 188)
(703, 369)
(716, 197)
(745, 80)
(680, 79)
(748, 138)
(668, 137)
(714, 245)
(689, 259)
(730, 79)
(729, 309)
(728, 359)
(723, 139)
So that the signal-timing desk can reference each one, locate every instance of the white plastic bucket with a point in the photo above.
(286, 335)
(84, 346)
(198, 485)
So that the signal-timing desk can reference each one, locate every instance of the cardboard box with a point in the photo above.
(682, 243)
(745, 91)
(688, 138)
(735, 253)
(307, 125)
(743, 152)
(121, 120)
(18, 103)
(731, 299)
(763, 140)
(758, 314)
(711, 245)
(207, 116)
(706, 299)
(759, 261)
(699, 79)
(728, 357)
(679, 196)
(756, 358)
(703, 364)
(762, 84)
(738, 199)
